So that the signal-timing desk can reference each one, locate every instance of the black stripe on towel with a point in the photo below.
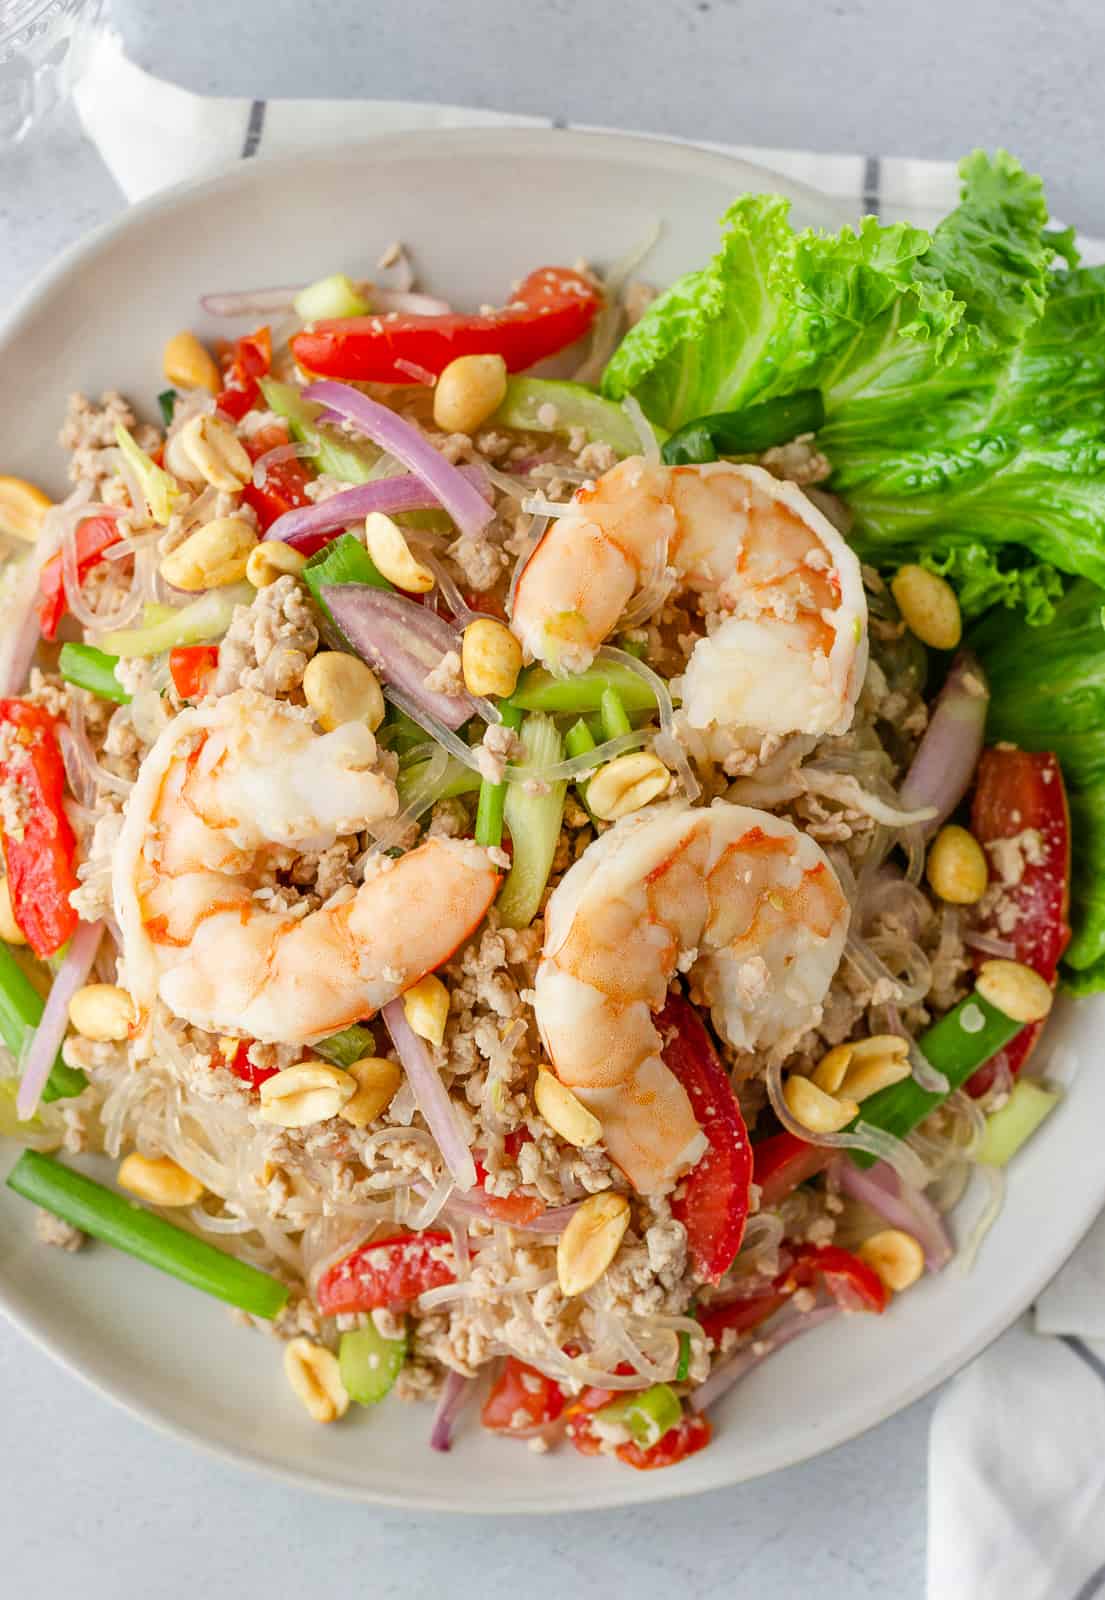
(1093, 1585)
(255, 127)
(871, 178)
(1090, 1357)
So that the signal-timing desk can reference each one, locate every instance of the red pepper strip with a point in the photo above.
(388, 1273)
(552, 308)
(523, 1402)
(94, 535)
(1017, 791)
(251, 360)
(684, 1439)
(285, 484)
(691, 1434)
(712, 1201)
(851, 1282)
(39, 858)
(782, 1162)
(242, 1067)
(191, 667)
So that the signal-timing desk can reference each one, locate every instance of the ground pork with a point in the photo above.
(57, 1232)
(89, 433)
(269, 642)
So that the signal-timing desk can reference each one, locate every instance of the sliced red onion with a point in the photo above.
(46, 1042)
(454, 1398)
(407, 302)
(467, 507)
(431, 1096)
(901, 1206)
(948, 754)
(990, 945)
(472, 1208)
(406, 492)
(22, 632)
(788, 1327)
(249, 302)
(401, 640)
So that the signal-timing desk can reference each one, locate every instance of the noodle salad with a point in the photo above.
(546, 889)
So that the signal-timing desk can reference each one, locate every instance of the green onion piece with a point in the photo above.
(369, 1363)
(93, 670)
(351, 1044)
(534, 822)
(159, 488)
(573, 406)
(107, 1216)
(489, 812)
(747, 432)
(168, 627)
(647, 1414)
(21, 1008)
(166, 401)
(577, 742)
(458, 780)
(334, 454)
(615, 718)
(683, 1370)
(957, 1045)
(540, 690)
(1014, 1123)
(403, 733)
(334, 296)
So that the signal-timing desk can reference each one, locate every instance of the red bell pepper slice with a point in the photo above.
(691, 1434)
(251, 360)
(93, 536)
(191, 667)
(238, 1062)
(852, 1283)
(523, 1401)
(39, 858)
(1016, 791)
(388, 1273)
(782, 1162)
(711, 1201)
(285, 482)
(552, 308)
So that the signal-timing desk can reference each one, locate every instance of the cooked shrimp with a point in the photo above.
(740, 900)
(225, 794)
(788, 649)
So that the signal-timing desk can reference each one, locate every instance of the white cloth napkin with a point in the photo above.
(1017, 1457)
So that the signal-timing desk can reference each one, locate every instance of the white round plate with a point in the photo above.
(478, 209)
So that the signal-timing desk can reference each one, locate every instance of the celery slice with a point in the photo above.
(1014, 1123)
(647, 1414)
(160, 489)
(534, 822)
(168, 628)
(370, 1363)
(538, 689)
(489, 813)
(615, 718)
(334, 296)
(333, 453)
(573, 406)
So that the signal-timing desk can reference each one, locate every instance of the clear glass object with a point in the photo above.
(43, 48)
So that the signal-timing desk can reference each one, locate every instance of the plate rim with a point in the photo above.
(607, 1492)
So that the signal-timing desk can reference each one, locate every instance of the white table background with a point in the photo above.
(94, 1503)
